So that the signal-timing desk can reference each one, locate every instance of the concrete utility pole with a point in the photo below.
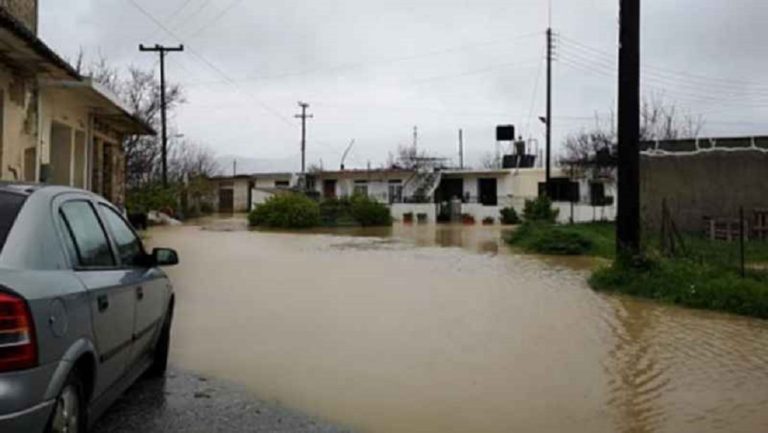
(461, 149)
(164, 117)
(304, 116)
(628, 218)
(550, 47)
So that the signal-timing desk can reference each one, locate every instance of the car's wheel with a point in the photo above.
(69, 412)
(160, 360)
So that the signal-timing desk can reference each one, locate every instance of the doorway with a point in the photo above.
(488, 192)
(329, 188)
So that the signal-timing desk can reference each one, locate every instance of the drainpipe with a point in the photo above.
(89, 136)
(40, 134)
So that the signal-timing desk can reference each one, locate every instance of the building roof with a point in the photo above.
(22, 50)
(104, 104)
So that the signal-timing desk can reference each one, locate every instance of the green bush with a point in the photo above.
(545, 238)
(152, 197)
(336, 212)
(509, 216)
(288, 211)
(690, 283)
(540, 209)
(369, 213)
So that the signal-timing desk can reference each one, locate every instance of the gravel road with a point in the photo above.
(188, 403)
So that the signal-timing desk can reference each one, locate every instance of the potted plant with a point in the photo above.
(408, 217)
(489, 221)
(422, 218)
(468, 219)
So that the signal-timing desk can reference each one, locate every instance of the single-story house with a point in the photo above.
(55, 125)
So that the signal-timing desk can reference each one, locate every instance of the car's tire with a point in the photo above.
(70, 410)
(160, 357)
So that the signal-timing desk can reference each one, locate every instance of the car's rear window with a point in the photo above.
(10, 205)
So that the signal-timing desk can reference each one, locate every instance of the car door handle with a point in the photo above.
(139, 293)
(103, 303)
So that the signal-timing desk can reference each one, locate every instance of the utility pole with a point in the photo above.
(628, 218)
(461, 149)
(304, 116)
(550, 47)
(163, 115)
(415, 137)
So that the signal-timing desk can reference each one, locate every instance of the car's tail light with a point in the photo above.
(18, 349)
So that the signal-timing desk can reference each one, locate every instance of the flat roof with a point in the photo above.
(105, 105)
(22, 50)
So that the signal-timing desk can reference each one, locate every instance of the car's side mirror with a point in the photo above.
(165, 257)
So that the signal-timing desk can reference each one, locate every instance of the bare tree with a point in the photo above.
(490, 161)
(658, 121)
(411, 158)
(140, 89)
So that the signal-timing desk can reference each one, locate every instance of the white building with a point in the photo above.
(429, 195)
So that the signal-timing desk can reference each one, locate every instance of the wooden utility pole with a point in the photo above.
(461, 149)
(628, 218)
(550, 47)
(163, 115)
(304, 116)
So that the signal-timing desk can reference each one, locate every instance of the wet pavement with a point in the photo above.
(187, 403)
(435, 329)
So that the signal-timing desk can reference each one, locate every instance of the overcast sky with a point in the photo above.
(372, 69)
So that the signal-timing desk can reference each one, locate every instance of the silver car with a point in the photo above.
(84, 310)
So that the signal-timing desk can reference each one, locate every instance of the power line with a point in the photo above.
(211, 65)
(215, 19)
(356, 65)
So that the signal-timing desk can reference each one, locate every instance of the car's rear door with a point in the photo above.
(110, 288)
(151, 284)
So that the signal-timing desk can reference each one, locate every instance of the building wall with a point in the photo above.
(24, 10)
(706, 184)
(240, 188)
(19, 126)
(377, 182)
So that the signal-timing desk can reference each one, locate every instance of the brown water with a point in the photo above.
(442, 329)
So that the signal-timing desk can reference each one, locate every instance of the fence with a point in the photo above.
(735, 243)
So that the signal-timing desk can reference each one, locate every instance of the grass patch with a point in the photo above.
(689, 283)
(594, 239)
(705, 276)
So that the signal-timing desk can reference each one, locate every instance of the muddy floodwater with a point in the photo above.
(442, 329)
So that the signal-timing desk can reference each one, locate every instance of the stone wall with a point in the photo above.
(705, 184)
(24, 10)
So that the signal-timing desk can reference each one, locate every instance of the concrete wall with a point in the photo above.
(400, 209)
(19, 126)
(240, 187)
(705, 184)
(377, 182)
(24, 11)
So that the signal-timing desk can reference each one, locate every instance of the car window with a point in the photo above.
(10, 205)
(89, 237)
(69, 242)
(128, 244)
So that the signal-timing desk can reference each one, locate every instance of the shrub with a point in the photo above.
(368, 212)
(286, 211)
(547, 238)
(151, 197)
(509, 216)
(489, 221)
(540, 209)
(336, 212)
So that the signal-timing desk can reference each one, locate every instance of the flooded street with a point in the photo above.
(443, 329)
